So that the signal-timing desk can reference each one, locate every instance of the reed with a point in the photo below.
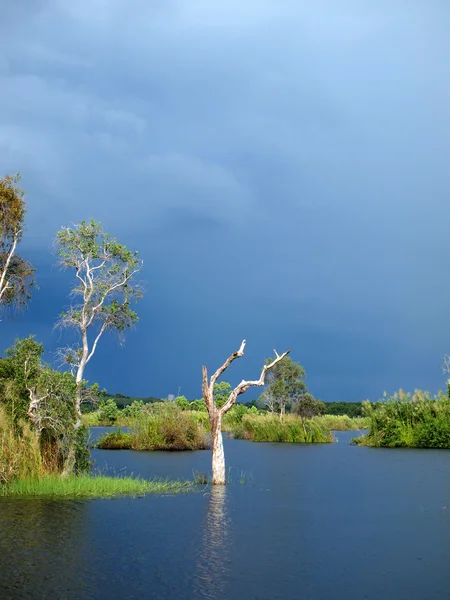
(292, 429)
(20, 453)
(341, 423)
(164, 426)
(406, 420)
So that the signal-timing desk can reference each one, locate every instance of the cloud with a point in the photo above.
(282, 164)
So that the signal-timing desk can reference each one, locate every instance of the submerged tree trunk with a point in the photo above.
(218, 457)
(215, 413)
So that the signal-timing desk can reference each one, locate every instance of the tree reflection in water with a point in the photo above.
(213, 560)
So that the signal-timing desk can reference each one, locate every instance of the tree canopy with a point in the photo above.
(16, 273)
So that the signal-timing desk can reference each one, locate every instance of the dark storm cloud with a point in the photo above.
(281, 166)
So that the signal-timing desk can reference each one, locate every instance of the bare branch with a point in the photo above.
(225, 365)
(446, 364)
(245, 385)
(94, 345)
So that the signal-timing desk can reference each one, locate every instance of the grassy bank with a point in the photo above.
(86, 486)
(341, 423)
(292, 429)
(416, 420)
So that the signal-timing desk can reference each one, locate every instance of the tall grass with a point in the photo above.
(403, 420)
(269, 428)
(341, 423)
(164, 426)
(116, 440)
(20, 453)
(85, 486)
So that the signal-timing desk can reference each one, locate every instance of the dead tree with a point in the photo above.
(216, 414)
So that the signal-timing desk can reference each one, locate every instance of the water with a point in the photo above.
(313, 522)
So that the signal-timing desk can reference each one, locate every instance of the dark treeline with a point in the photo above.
(352, 409)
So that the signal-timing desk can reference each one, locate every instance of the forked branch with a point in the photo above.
(208, 386)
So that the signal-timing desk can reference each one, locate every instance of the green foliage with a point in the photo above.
(233, 418)
(132, 410)
(164, 426)
(285, 385)
(197, 405)
(221, 392)
(86, 486)
(403, 420)
(16, 274)
(307, 406)
(107, 412)
(269, 428)
(104, 270)
(83, 464)
(36, 397)
(182, 402)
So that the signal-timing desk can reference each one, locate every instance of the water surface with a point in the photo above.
(313, 522)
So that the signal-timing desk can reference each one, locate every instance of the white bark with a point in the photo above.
(4, 284)
(218, 457)
(216, 414)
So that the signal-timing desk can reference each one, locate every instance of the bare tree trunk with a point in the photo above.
(216, 414)
(218, 457)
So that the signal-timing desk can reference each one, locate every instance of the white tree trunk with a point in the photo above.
(218, 457)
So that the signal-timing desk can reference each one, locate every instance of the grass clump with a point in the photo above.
(164, 426)
(341, 422)
(87, 486)
(116, 440)
(407, 420)
(292, 429)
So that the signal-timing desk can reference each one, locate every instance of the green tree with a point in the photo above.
(108, 411)
(16, 273)
(285, 385)
(222, 391)
(103, 293)
(182, 402)
(307, 407)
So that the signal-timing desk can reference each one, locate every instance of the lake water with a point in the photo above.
(315, 522)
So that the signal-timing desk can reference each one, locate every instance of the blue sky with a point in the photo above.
(281, 166)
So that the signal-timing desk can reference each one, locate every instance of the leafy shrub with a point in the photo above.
(233, 418)
(131, 411)
(108, 412)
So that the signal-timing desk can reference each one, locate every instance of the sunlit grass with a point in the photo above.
(341, 423)
(86, 486)
(292, 429)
